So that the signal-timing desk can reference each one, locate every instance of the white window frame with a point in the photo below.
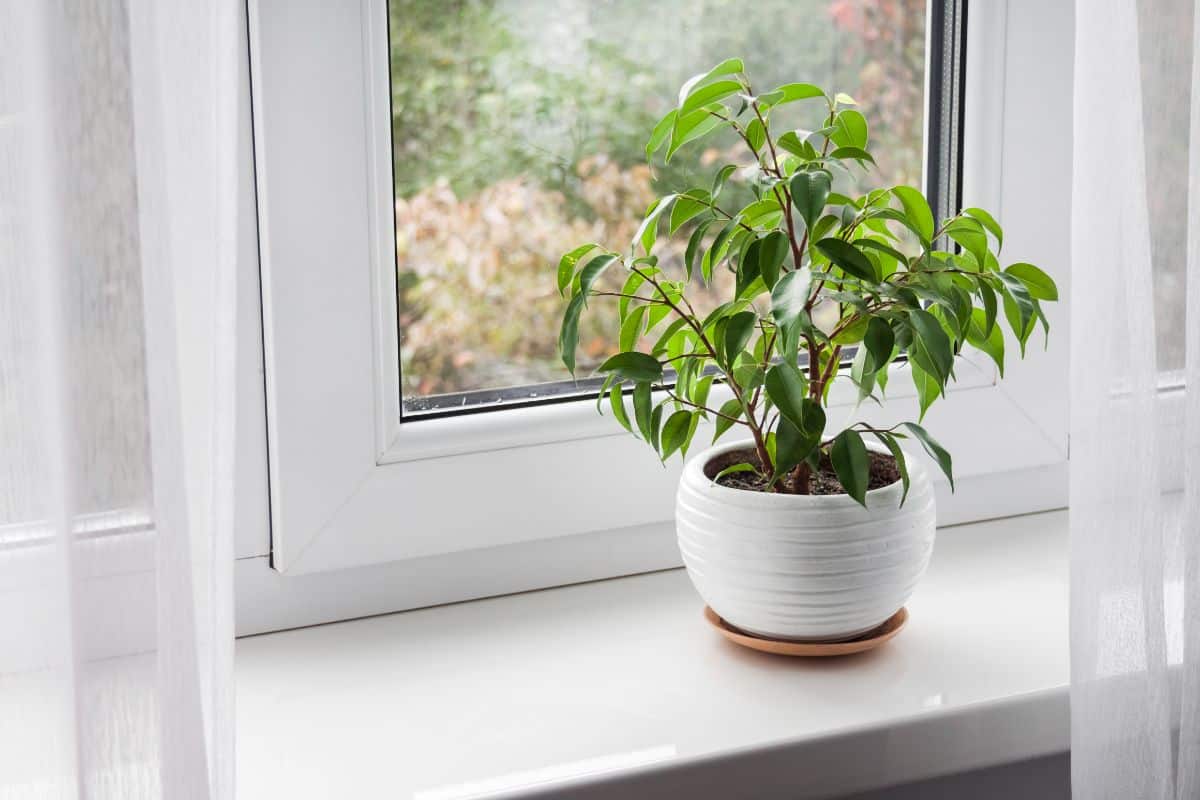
(369, 515)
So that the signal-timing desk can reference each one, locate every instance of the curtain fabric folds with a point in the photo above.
(118, 211)
(1135, 417)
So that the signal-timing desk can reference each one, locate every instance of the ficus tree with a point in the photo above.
(827, 285)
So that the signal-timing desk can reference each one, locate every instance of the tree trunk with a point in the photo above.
(801, 477)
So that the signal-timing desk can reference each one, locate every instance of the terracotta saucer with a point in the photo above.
(783, 647)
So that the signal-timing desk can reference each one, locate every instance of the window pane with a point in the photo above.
(518, 133)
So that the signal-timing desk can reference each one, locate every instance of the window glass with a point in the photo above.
(518, 133)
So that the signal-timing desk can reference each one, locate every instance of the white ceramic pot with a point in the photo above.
(803, 567)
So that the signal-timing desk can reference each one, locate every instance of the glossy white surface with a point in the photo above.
(805, 567)
(618, 688)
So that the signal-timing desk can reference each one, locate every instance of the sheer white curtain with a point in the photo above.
(117, 179)
(1135, 430)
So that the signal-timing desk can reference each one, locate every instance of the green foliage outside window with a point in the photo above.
(519, 128)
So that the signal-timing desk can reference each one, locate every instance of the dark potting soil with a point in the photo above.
(824, 481)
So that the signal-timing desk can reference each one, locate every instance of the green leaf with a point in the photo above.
(748, 375)
(852, 464)
(660, 133)
(630, 287)
(809, 191)
(927, 388)
(850, 129)
(934, 449)
(848, 257)
(788, 390)
(969, 233)
(824, 225)
(1040, 285)
(930, 349)
(893, 446)
(721, 178)
(881, 375)
(990, 343)
(844, 99)
(1019, 307)
(616, 399)
(700, 394)
(1041, 317)
(708, 93)
(852, 154)
(670, 290)
(566, 266)
(722, 311)
(647, 232)
(862, 373)
(718, 250)
(729, 413)
(693, 246)
(594, 269)
(887, 250)
(568, 334)
(792, 92)
(876, 217)
(733, 469)
(789, 296)
(656, 425)
(793, 445)
(988, 222)
(664, 340)
(730, 66)
(687, 206)
(748, 267)
(766, 213)
(689, 127)
(738, 331)
(988, 296)
(771, 255)
(634, 366)
(674, 432)
(641, 410)
(852, 333)
(916, 209)
(608, 384)
(691, 433)
(632, 328)
(793, 144)
(756, 134)
(879, 341)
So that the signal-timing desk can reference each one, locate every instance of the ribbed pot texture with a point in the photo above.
(803, 567)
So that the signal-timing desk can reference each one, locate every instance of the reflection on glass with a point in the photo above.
(518, 132)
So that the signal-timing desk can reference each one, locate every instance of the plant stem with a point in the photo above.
(679, 399)
(801, 479)
(650, 300)
(760, 444)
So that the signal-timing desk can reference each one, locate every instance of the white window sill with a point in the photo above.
(619, 688)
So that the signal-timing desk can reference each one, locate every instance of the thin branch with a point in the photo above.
(679, 399)
(652, 300)
(685, 355)
(867, 428)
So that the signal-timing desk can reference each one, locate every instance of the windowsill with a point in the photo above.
(620, 685)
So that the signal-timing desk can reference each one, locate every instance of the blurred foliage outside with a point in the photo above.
(519, 129)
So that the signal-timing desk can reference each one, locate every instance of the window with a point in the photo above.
(383, 497)
(518, 129)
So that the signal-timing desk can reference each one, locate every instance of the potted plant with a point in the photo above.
(793, 531)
